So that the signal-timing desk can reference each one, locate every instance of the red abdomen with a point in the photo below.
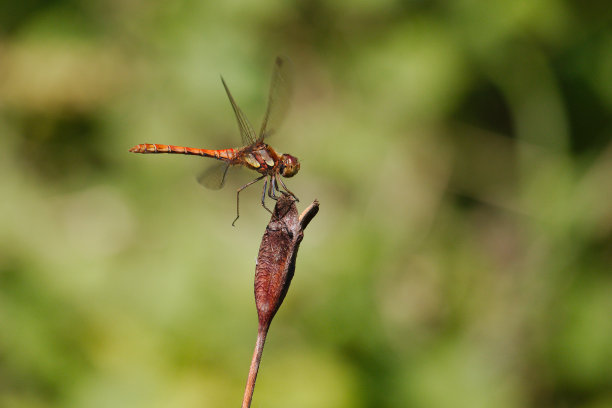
(222, 154)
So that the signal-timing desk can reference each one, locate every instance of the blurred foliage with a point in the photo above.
(461, 152)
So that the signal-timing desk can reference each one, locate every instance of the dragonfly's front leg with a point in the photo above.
(238, 197)
(280, 179)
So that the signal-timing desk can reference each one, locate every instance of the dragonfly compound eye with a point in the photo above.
(290, 165)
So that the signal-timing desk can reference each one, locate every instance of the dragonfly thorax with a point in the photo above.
(289, 165)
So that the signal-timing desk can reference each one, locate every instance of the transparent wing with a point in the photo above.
(281, 89)
(246, 130)
(214, 176)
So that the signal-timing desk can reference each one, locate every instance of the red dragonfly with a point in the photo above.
(255, 154)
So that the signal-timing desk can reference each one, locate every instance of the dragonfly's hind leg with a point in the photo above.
(238, 197)
(286, 189)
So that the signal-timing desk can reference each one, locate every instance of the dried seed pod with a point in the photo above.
(274, 271)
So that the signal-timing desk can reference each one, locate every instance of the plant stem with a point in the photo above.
(250, 385)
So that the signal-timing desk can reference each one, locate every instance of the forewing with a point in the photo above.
(246, 130)
(214, 176)
(281, 89)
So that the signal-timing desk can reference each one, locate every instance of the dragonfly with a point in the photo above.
(255, 153)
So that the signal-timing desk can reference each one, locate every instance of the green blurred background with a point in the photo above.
(462, 154)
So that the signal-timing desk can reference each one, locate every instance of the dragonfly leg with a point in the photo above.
(263, 197)
(286, 189)
(238, 197)
(273, 188)
(276, 186)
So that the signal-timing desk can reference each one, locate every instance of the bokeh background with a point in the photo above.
(461, 152)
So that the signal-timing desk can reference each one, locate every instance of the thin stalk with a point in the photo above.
(253, 370)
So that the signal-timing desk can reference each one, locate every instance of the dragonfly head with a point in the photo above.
(289, 166)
